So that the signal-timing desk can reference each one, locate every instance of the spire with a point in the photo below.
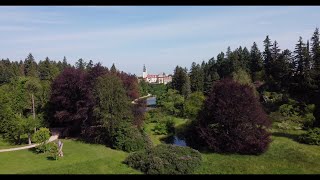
(144, 68)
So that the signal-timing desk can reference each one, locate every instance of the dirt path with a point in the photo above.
(134, 101)
(52, 138)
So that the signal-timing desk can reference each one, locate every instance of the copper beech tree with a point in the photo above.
(233, 121)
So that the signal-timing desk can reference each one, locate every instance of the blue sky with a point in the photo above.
(159, 36)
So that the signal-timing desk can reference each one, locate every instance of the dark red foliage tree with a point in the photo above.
(70, 100)
(130, 83)
(139, 111)
(96, 71)
(233, 120)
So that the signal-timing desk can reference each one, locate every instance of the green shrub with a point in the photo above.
(41, 136)
(154, 116)
(53, 151)
(129, 138)
(165, 159)
(286, 125)
(312, 137)
(294, 115)
(164, 127)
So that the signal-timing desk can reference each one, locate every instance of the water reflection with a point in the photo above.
(175, 140)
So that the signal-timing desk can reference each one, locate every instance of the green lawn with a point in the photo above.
(79, 158)
(284, 156)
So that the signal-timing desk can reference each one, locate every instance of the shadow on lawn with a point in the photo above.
(294, 137)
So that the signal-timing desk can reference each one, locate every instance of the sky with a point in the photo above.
(161, 37)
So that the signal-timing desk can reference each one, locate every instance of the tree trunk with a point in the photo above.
(19, 139)
(29, 138)
(34, 113)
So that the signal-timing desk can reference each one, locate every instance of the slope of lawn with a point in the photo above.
(284, 156)
(79, 158)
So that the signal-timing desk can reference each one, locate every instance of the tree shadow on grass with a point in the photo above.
(294, 137)
(34, 150)
(51, 158)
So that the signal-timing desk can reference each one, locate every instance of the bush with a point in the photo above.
(129, 138)
(41, 136)
(164, 127)
(311, 137)
(53, 151)
(154, 116)
(165, 159)
(233, 121)
(294, 115)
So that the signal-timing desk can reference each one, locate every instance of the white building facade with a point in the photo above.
(155, 79)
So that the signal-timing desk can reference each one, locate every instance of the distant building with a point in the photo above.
(155, 79)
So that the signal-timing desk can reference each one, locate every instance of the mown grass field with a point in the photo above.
(79, 158)
(284, 156)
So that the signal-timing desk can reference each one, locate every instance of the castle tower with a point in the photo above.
(144, 73)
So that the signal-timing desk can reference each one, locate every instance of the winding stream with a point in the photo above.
(174, 139)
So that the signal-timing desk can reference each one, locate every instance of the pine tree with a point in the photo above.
(89, 65)
(245, 59)
(267, 56)
(65, 63)
(30, 66)
(196, 77)
(299, 56)
(315, 53)
(113, 69)
(315, 50)
(256, 61)
(179, 78)
(186, 89)
(81, 64)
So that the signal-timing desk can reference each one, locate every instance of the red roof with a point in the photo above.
(152, 76)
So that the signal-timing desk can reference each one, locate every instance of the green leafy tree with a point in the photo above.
(193, 104)
(112, 106)
(172, 102)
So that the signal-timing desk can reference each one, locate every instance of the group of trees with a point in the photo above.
(296, 73)
(232, 118)
(76, 98)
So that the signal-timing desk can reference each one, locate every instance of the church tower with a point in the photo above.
(144, 73)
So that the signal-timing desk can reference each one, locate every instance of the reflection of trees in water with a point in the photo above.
(175, 140)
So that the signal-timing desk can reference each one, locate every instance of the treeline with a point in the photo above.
(296, 73)
(279, 69)
(85, 100)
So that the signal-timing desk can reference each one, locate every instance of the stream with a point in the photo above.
(173, 139)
